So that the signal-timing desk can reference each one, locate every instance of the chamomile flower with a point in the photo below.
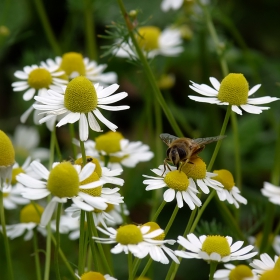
(178, 185)
(239, 272)
(213, 248)
(272, 192)
(198, 176)
(153, 42)
(74, 65)
(93, 275)
(129, 238)
(233, 91)
(26, 140)
(7, 158)
(167, 5)
(118, 150)
(265, 263)
(79, 101)
(230, 192)
(156, 247)
(65, 181)
(29, 220)
(272, 274)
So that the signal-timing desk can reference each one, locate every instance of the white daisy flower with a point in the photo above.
(29, 220)
(178, 185)
(129, 238)
(95, 275)
(65, 181)
(230, 192)
(79, 101)
(118, 150)
(240, 272)
(7, 158)
(233, 91)
(26, 140)
(167, 5)
(37, 79)
(198, 176)
(111, 216)
(272, 192)
(265, 263)
(213, 248)
(153, 42)
(74, 65)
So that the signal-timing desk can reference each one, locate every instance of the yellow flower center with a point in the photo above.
(154, 226)
(177, 180)
(95, 191)
(224, 177)
(148, 37)
(129, 234)
(80, 95)
(270, 275)
(234, 89)
(97, 169)
(73, 62)
(31, 213)
(39, 78)
(240, 272)
(216, 244)
(109, 208)
(15, 172)
(277, 264)
(92, 275)
(63, 180)
(196, 170)
(7, 151)
(166, 81)
(109, 142)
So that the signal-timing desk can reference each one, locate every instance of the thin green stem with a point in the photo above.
(58, 213)
(36, 255)
(146, 268)
(47, 27)
(83, 151)
(148, 72)
(213, 266)
(5, 237)
(81, 243)
(219, 143)
(130, 269)
(72, 136)
(90, 30)
(171, 220)
(158, 211)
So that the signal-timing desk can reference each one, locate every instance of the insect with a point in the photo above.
(182, 150)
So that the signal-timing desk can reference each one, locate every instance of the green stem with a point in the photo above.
(58, 213)
(72, 136)
(158, 211)
(47, 27)
(5, 237)
(146, 268)
(149, 74)
(130, 269)
(81, 243)
(171, 220)
(219, 143)
(36, 254)
(213, 266)
(83, 151)
(90, 30)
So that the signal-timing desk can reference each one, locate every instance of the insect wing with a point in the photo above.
(167, 138)
(207, 140)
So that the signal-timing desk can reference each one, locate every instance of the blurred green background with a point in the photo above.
(250, 33)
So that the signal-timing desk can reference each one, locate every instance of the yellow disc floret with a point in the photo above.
(95, 191)
(270, 275)
(129, 234)
(109, 142)
(154, 226)
(277, 264)
(216, 244)
(39, 78)
(92, 275)
(97, 169)
(177, 180)
(7, 152)
(73, 62)
(31, 213)
(196, 170)
(80, 95)
(234, 89)
(148, 37)
(15, 172)
(63, 180)
(224, 177)
(240, 272)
